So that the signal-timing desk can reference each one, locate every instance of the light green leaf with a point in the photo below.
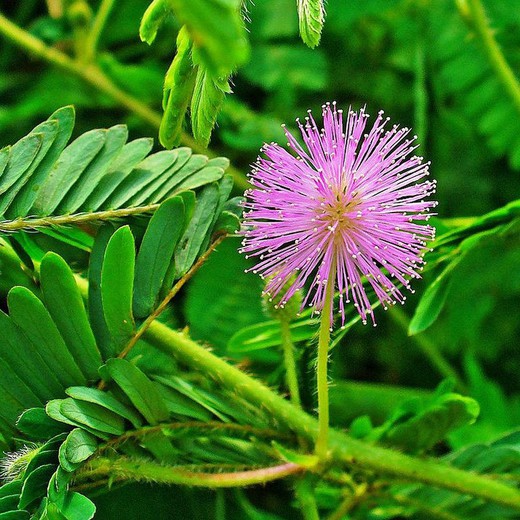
(67, 170)
(97, 418)
(178, 88)
(208, 96)
(79, 446)
(106, 400)
(311, 14)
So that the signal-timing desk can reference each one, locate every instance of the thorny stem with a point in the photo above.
(344, 449)
(122, 468)
(321, 368)
(94, 76)
(473, 10)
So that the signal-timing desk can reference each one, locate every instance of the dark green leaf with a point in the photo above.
(155, 254)
(192, 239)
(140, 390)
(36, 424)
(65, 305)
(35, 485)
(117, 279)
(29, 313)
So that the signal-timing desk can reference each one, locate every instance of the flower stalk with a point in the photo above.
(321, 370)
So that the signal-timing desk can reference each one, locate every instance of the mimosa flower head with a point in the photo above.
(348, 206)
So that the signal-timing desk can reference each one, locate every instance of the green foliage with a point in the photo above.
(418, 424)
(311, 14)
(43, 178)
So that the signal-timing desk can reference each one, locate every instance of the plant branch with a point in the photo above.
(94, 76)
(479, 23)
(123, 468)
(34, 223)
(97, 28)
(343, 447)
(209, 425)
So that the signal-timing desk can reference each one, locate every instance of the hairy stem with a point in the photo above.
(321, 368)
(122, 468)
(95, 77)
(343, 447)
(479, 23)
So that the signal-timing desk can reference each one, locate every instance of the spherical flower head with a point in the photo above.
(348, 206)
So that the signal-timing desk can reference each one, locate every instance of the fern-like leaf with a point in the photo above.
(97, 177)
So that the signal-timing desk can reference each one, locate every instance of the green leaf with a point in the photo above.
(95, 417)
(25, 360)
(311, 14)
(28, 312)
(36, 424)
(131, 155)
(35, 485)
(218, 30)
(153, 18)
(46, 132)
(65, 305)
(24, 199)
(117, 280)
(106, 400)
(178, 88)
(95, 300)
(189, 245)
(432, 301)
(155, 254)
(67, 170)
(268, 334)
(75, 506)
(15, 515)
(115, 139)
(140, 390)
(208, 96)
(417, 424)
(79, 446)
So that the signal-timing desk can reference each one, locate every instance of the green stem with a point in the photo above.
(343, 447)
(122, 468)
(430, 350)
(305, 494)
(322, 440)
(95, 77)
(493, 52)
(97, 28)
(291, 375)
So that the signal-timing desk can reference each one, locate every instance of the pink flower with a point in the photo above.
(349, 205)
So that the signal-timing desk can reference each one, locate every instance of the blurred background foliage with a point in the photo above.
(421, 62)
